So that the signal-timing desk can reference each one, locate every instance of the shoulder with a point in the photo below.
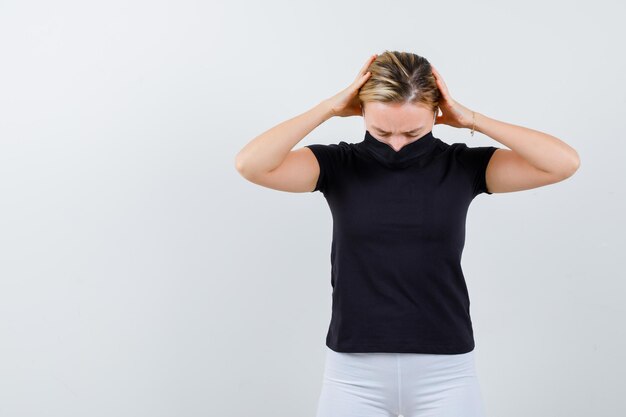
(471, 156)
(333, 152)
(332, 160)
(339, 147)
(473, 161)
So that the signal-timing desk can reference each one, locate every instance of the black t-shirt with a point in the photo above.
(398, 235)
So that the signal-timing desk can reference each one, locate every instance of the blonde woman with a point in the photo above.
(400, 340)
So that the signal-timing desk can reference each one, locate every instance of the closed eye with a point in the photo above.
(387, 134)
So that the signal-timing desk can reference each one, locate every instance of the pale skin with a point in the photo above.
(533, 158)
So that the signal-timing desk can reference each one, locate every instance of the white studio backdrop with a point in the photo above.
(141, 275)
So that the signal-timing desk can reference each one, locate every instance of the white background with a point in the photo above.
(141, 275)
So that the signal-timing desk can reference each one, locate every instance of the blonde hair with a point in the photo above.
(401, 77)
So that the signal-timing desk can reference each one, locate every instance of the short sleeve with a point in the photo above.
(475, 161)
(330, 158)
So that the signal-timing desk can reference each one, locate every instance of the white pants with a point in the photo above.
(407, 384)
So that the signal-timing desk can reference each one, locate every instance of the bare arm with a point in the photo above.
(534, 159)
(269, 160)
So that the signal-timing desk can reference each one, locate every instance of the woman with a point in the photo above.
(400, 340)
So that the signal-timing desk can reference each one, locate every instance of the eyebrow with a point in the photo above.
(384, 131)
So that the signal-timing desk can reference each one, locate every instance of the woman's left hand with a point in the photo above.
(453, 113)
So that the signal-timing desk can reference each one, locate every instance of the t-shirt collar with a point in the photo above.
(408, 154)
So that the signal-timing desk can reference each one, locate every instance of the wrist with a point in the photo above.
(326, 109)
(472, 121)
(479, 122)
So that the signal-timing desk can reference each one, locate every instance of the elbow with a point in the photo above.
(239, 163)
(573, 166)
(244, 169)
(575, 163)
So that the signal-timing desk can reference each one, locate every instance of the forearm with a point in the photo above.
(268, 150)
(542, 150)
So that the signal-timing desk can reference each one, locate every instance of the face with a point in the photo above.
(398, 124)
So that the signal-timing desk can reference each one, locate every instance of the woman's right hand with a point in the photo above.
(346, 102)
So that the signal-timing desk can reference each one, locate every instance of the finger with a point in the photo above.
(440, 82)
(436, 74)
(358, 83)
(367, 64)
